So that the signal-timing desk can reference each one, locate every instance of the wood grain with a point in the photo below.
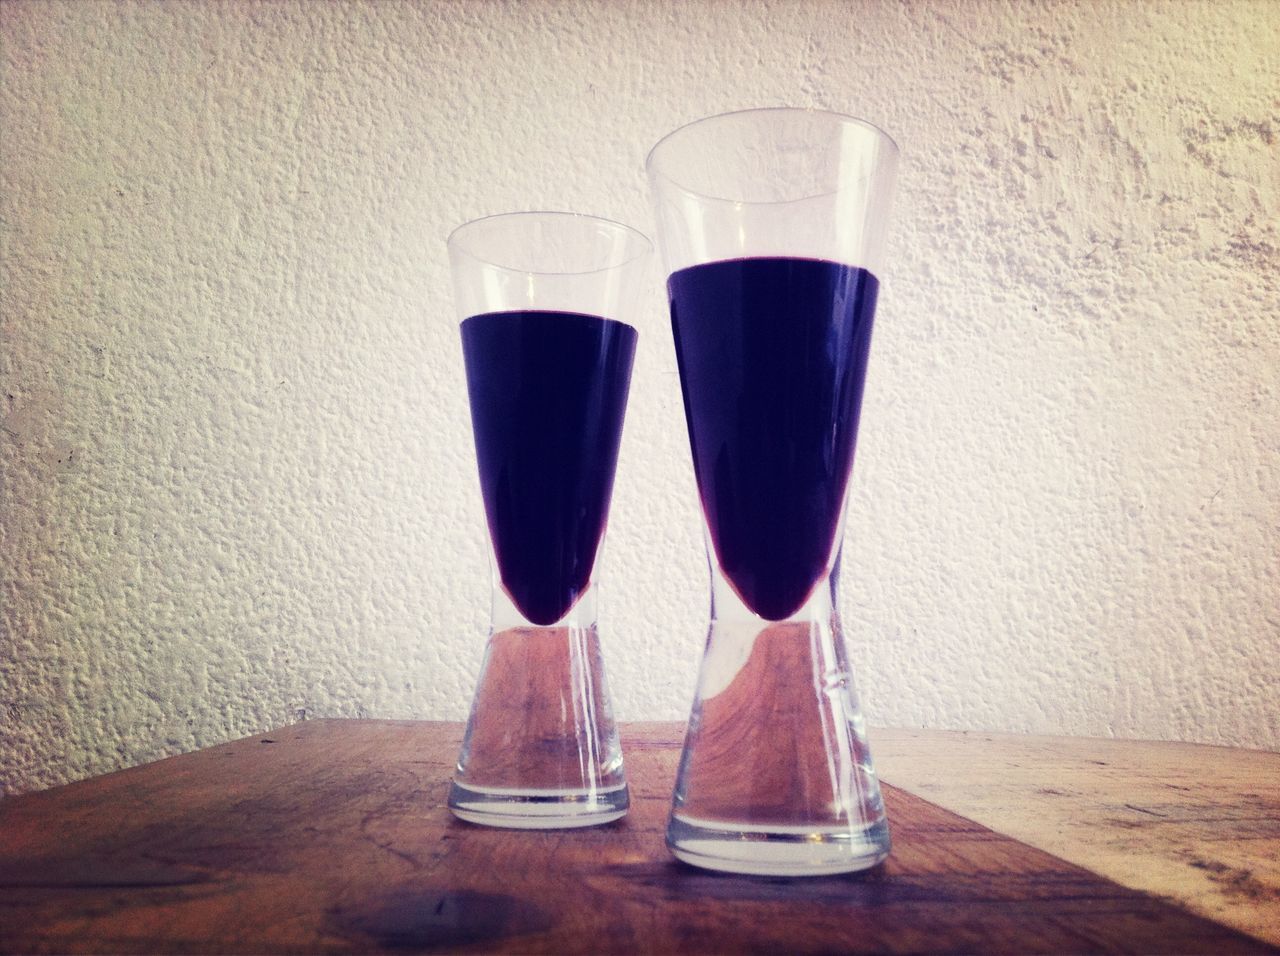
(332, 836)
(541, 717)
(1197, 824)
(778, 718)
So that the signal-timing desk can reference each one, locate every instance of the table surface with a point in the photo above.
(333, 836)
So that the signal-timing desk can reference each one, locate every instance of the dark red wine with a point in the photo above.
(772, 355)
(548, 391)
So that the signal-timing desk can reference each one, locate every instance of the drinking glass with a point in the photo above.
(772, 224)
(545, 301)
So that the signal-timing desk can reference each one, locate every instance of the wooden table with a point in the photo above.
(332, 836)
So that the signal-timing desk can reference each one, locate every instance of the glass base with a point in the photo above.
(537, 809)
(776, 777)
(541, 749)
(776, 851)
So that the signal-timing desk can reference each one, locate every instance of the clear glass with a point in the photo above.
(772, 225)
(545, 301)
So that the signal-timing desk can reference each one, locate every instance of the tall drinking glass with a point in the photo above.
(545, 300)
(771, 225)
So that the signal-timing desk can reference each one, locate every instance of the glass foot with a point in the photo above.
(776, 851)
(537, 809)
(776, 777)
(541, 749)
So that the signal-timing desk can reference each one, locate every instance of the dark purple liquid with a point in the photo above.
(772, 355)
(548, 391)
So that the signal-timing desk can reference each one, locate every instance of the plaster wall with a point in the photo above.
(236, 473)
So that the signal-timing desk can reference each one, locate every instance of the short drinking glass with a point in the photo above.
(545, 301)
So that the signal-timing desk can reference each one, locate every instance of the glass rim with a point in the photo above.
(642, 244)
(651, 165)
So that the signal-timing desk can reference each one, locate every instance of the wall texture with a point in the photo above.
(236, 476)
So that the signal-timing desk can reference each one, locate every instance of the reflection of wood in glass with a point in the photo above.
(779, 744)
(541, 717)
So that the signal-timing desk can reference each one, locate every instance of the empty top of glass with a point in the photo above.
(770, 155)
(563, 243)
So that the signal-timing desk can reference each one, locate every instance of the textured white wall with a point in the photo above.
(237, 479)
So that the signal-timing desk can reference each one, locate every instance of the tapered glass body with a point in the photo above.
(545, 302)
(771, 225)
